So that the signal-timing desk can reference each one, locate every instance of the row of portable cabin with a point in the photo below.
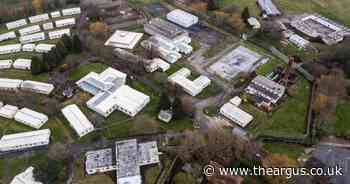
(14, 48)
(26, 85)
(43, 17)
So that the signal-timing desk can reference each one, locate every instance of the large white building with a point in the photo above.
(31, 118)
(10, 84)
(77, 120)
(16, 24)
(8, 111)
(29, 30)
(112, 94)
(182, 18)
(124, 39)
(59, 33)
(65, 22)
(37, 87)
(44, 48)
(26, 177)
(25, 140)
(130, 156)
(22, 64)
(236, 114)
(12, 48)
(7, 36)
(191, 87)
(5, 64)
(71, 11)
(39, 18)
(99, 161)
(32, 38)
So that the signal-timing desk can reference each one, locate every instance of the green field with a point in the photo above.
(292, 151)
(81, 71)
(339, 125)
(288, 119)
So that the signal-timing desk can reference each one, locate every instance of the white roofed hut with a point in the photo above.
(48, 26)
(77, 120)
(8, 111)
(59, 33)
(12, 48)
(55, 14)
(71, 11)
(29, 30)
(44, 48)
(65, 22)
(5, 64)
(10, 84)
(16, 24)
(28, 47)
(182, 18)
(39, 18)
(22, 64)
(7, 36)
(37, 87)
(32, 38)
(24, 140)
(31, 118)
(26, 177)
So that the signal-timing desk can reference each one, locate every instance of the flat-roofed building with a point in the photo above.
(65, 22)
(16, 24)
(182, 18)
(8, 111)
(37, 87)
(10, 84)
(77, 120)
(44, 48)
(48, 26)
(160, 27)
(59, 33)
(55, 14)
(268, 8)
(236, 114)
(39, 18)
(191, 87)
(71, 11)
(5, 64)
(156, 64)
(31, 118)
(99, 161)
(12, 48)
(25, 140)
(7, 36)
(26, 177)
(130, 156)
(28, 47)
(29, 30)
(299, 41)
(124, 99)
(124, 39)
(32, 38)
(265, 91)
(22, 64)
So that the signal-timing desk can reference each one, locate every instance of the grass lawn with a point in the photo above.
(288, 119)
(24, 75)
(339, 125)
(268, 67)
(85, 69)
(151, 174)
(212, 90)
(211, 110)
(292, 151)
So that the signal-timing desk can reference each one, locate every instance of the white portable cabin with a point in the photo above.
(59, 33)
(16, 24)
(22, 64)
(5, 64)
(236, 115)
(182, 18)
(28, 47)
(32, 38)
(48, 26)
(65, 22)
(31, 118)
(8, 111)
(71, 11)
(37, 87)
(7, 36)
(10, 84)
(55, 14)
(25, 140)
(12, 48)
(44, 48)
(77, 120)
(39, 18)
(29, 30)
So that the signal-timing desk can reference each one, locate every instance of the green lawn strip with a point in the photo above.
(292, 151)
(85, 69)
(24, 75)
(339, 125)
